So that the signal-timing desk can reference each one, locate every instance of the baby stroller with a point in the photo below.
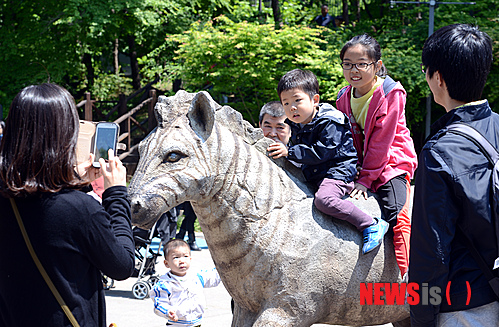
(146, 254)
(147, 251)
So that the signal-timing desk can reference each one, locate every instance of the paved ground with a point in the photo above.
(127, 311)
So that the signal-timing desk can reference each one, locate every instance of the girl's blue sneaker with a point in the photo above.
(373, 235)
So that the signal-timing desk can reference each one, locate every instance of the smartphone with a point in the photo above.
(106, 137)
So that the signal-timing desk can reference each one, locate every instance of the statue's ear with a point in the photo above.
(161, 109)
(201, 115)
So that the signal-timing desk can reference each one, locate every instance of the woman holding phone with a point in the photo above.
(73, 236)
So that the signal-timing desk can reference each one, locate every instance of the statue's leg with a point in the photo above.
(403, 323)
(277, 317)
(242, 317)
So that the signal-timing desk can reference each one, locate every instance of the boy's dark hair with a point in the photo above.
(38, 149)
(462, 54)
(174, 244)
(372, 48)
(272, 108)
(303, 80)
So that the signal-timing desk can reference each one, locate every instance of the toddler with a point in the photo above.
(178, 295)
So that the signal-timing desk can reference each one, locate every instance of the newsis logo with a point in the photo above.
(395, 294)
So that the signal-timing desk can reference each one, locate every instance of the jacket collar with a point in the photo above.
(466, 113)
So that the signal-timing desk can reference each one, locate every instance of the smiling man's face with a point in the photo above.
(275, 128)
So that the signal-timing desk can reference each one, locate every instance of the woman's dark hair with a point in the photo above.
(303, 80)
(38, 152)
(372, 48)
(462, 54)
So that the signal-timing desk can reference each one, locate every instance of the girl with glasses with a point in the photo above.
(375, 105)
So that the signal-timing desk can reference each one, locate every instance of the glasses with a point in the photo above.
(423, 68)
(359, 66)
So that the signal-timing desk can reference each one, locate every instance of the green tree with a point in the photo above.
(242, 62)
(76, 43)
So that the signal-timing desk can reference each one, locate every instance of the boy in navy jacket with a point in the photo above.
(322, 144)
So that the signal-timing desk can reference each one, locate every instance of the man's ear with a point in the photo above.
(439, 79)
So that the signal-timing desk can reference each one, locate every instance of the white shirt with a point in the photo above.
(184, 295)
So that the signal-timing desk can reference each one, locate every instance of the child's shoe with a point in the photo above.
(373, 235)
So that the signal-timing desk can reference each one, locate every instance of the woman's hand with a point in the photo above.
(358, 190)
(86, 171)
(113, 171)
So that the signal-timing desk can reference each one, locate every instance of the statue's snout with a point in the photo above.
(141, 215)
(136, 207)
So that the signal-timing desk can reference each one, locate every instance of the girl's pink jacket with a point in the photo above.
(387, 150)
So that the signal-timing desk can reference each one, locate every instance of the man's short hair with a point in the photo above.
(174, 244)
(273, 109)
(462, 54)
(303, 80)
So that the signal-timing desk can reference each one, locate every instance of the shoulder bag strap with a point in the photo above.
(45, 276)
(492, 156)
(476, 137)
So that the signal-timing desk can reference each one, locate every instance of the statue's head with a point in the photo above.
(174, 166)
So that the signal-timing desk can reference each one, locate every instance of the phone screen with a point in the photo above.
(105, 138)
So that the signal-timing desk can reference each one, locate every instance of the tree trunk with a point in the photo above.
(134, 64)
(115, 55)
(381, 8)
(87, 61)
(345, 12)
(367, 10)
(177, 84)
(356, 4)
(277, 13)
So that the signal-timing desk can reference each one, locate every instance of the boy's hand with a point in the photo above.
(277, 150)
(86, 171)
(113, 171)
(358, 190)
(172, 315)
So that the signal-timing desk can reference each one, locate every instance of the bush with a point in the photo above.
(241, 63)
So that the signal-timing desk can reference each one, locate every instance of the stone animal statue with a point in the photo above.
(283, 262)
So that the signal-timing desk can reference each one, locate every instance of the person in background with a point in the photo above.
(187, 225)
(375, 106)
(272, 122)
(73, 236)
(452, 198)
(324, 19)
(178, 295)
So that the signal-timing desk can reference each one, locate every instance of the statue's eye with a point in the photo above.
(173, 157)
